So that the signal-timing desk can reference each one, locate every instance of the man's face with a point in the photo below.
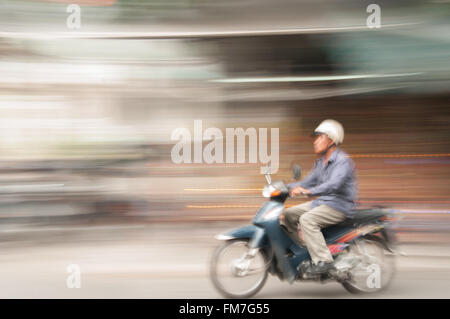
(321, 143)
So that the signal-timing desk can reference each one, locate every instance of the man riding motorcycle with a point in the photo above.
(333, 180)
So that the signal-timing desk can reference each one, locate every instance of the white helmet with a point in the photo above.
(333, 129)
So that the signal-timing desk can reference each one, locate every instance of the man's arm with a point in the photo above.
(337, 178)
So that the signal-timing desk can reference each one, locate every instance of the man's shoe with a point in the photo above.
(321, 267)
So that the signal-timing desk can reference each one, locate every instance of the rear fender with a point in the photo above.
(376, 234)
(384, 237)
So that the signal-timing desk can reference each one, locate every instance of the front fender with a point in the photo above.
(256, 235)
(241, 232)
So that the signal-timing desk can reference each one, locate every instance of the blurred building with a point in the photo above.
(86, 115)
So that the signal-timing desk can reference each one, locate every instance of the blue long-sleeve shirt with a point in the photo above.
(335, 183)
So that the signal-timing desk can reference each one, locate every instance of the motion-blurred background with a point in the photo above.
(86, 117)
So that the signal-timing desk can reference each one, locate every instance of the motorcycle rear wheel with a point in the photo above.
(383, 265)
(227, 273)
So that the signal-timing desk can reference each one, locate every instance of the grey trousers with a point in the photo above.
(310, 221)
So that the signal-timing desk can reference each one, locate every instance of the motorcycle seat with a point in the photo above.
(363, 216)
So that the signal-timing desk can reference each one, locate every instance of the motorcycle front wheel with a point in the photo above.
(237, 271)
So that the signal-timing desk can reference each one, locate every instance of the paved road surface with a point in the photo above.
(169, 261)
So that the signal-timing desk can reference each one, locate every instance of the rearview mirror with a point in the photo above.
(296, 171)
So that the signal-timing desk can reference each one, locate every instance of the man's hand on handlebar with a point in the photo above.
(298, 191)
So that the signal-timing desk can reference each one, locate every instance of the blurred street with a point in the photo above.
(171, 261)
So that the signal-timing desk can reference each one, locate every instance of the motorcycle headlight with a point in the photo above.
(270, 191)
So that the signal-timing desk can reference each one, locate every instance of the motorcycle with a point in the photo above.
(362, 246)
